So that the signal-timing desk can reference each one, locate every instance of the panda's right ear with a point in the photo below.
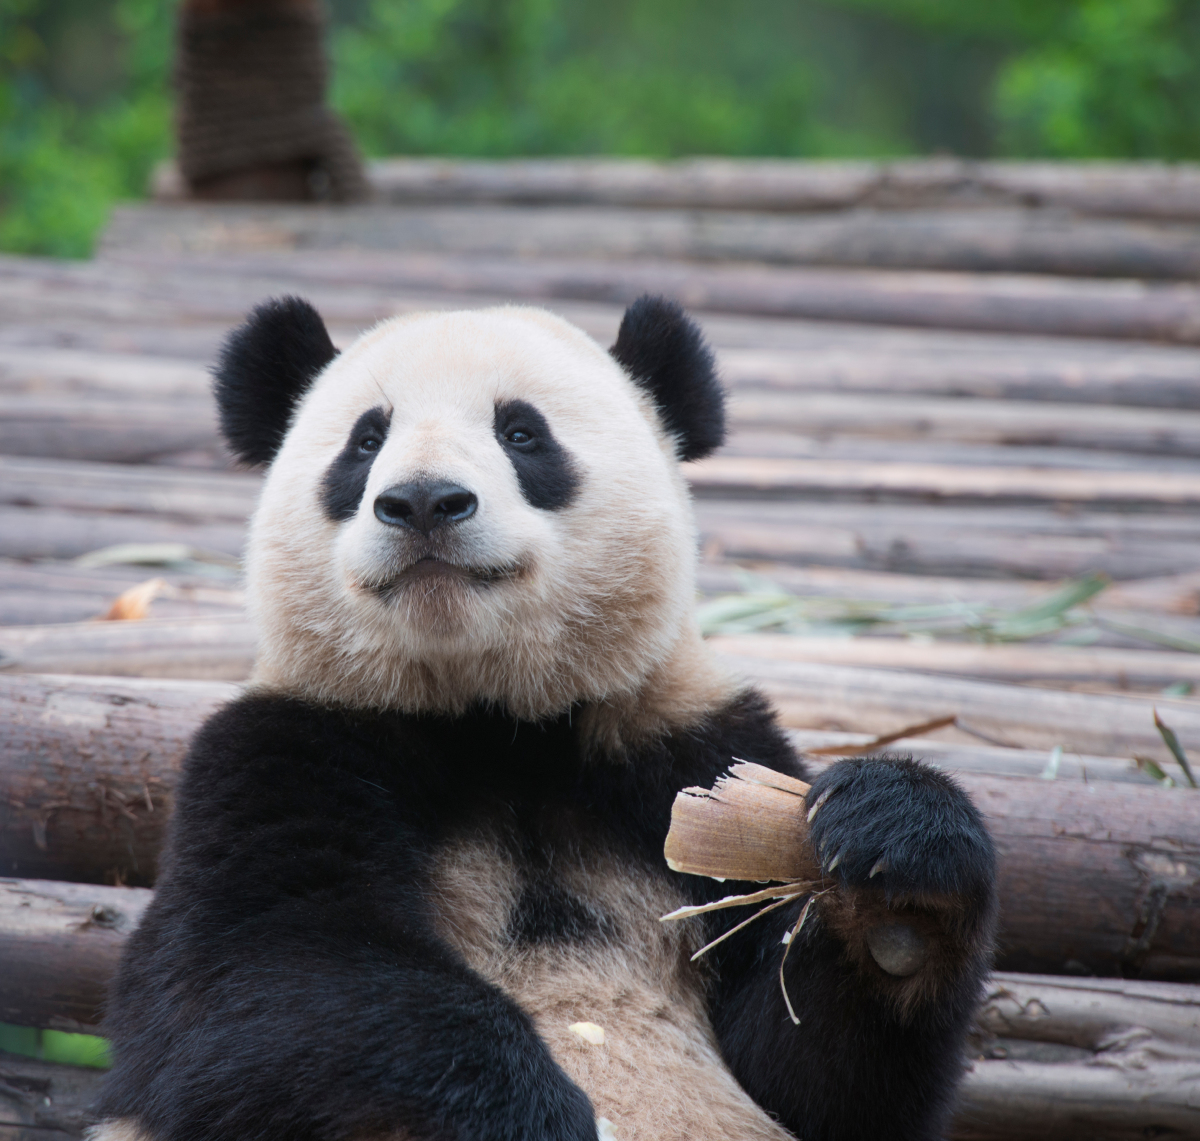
(264, 367)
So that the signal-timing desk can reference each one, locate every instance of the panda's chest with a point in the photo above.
(526, 901)
(570, 929)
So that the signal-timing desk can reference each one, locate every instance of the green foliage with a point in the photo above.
(55, 1046)
(85, 102)
(1121, 80)
(84, 114)
(500, 77)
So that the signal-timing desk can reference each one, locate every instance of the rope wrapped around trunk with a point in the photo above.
(251, 81)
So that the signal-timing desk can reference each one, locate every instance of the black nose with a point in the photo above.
(424, 506)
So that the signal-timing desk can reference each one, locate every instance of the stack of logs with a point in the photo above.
(952, 384)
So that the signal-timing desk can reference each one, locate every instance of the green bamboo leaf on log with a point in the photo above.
(1172, 743)
(1152, 768)
(764, 606)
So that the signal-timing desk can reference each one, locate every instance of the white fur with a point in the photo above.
(599, 594)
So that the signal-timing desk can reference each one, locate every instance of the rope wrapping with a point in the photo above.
(251, 83)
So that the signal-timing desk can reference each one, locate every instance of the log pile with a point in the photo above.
(953, 386)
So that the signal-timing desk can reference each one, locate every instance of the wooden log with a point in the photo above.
(123, 431)
(940, 539)
(1152, 430)
(128, 488)
(757, 476)
(1115, 669)
(48, 533)
(222, 647)
(44, 370)
(88, 768)
(979, 240)
(1082, 1060)
(842, 358)
(1131, 189)
(51, 1100)
(956, 541)
(46, 593)
(995, 302)
(851, 698)
(813, 358)
(1170, 594)
(211, 649)
(978, 759)
(1100, 874)
(753, 352)
(60, 943)
(204, 495)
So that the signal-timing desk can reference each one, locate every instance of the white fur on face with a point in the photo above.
(548, 607)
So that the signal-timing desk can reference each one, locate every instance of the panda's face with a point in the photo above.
(471, 507)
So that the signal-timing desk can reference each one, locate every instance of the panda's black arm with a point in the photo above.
(286, 982)
(875, 1054)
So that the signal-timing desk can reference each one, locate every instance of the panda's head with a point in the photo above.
(471, 508)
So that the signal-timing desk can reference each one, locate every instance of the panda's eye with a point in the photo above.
(369, 444)
(519, 436)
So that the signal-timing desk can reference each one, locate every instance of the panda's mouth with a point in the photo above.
(430, 570)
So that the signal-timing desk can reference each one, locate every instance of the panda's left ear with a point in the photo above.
(265, 366)
(664, 352)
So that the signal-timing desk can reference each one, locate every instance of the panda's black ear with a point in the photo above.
(665, 353)
(264, 367)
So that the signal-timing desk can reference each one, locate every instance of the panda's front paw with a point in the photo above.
(902, 827)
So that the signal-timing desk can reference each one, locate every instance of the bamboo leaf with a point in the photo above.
(1168, 735)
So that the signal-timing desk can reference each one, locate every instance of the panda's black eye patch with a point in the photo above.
(344, 482)
(545, 469)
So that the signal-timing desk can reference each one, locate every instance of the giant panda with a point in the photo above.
(426, 844)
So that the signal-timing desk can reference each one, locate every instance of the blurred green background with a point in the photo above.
(85, 87)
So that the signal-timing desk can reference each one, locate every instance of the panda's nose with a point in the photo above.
(425, 505)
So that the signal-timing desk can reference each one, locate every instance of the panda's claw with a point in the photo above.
(818, 803)
(880, 866)
(834, 862)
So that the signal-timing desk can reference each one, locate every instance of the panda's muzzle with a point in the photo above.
(425, 505)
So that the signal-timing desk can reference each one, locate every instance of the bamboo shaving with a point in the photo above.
(791, 938)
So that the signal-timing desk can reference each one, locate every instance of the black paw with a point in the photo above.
(900, 826)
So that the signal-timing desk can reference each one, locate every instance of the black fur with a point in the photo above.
(342, 487)
(906, 815)
(544, 468)
(546, 913)
(287, 981)
(264, 367)
(665, 353)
